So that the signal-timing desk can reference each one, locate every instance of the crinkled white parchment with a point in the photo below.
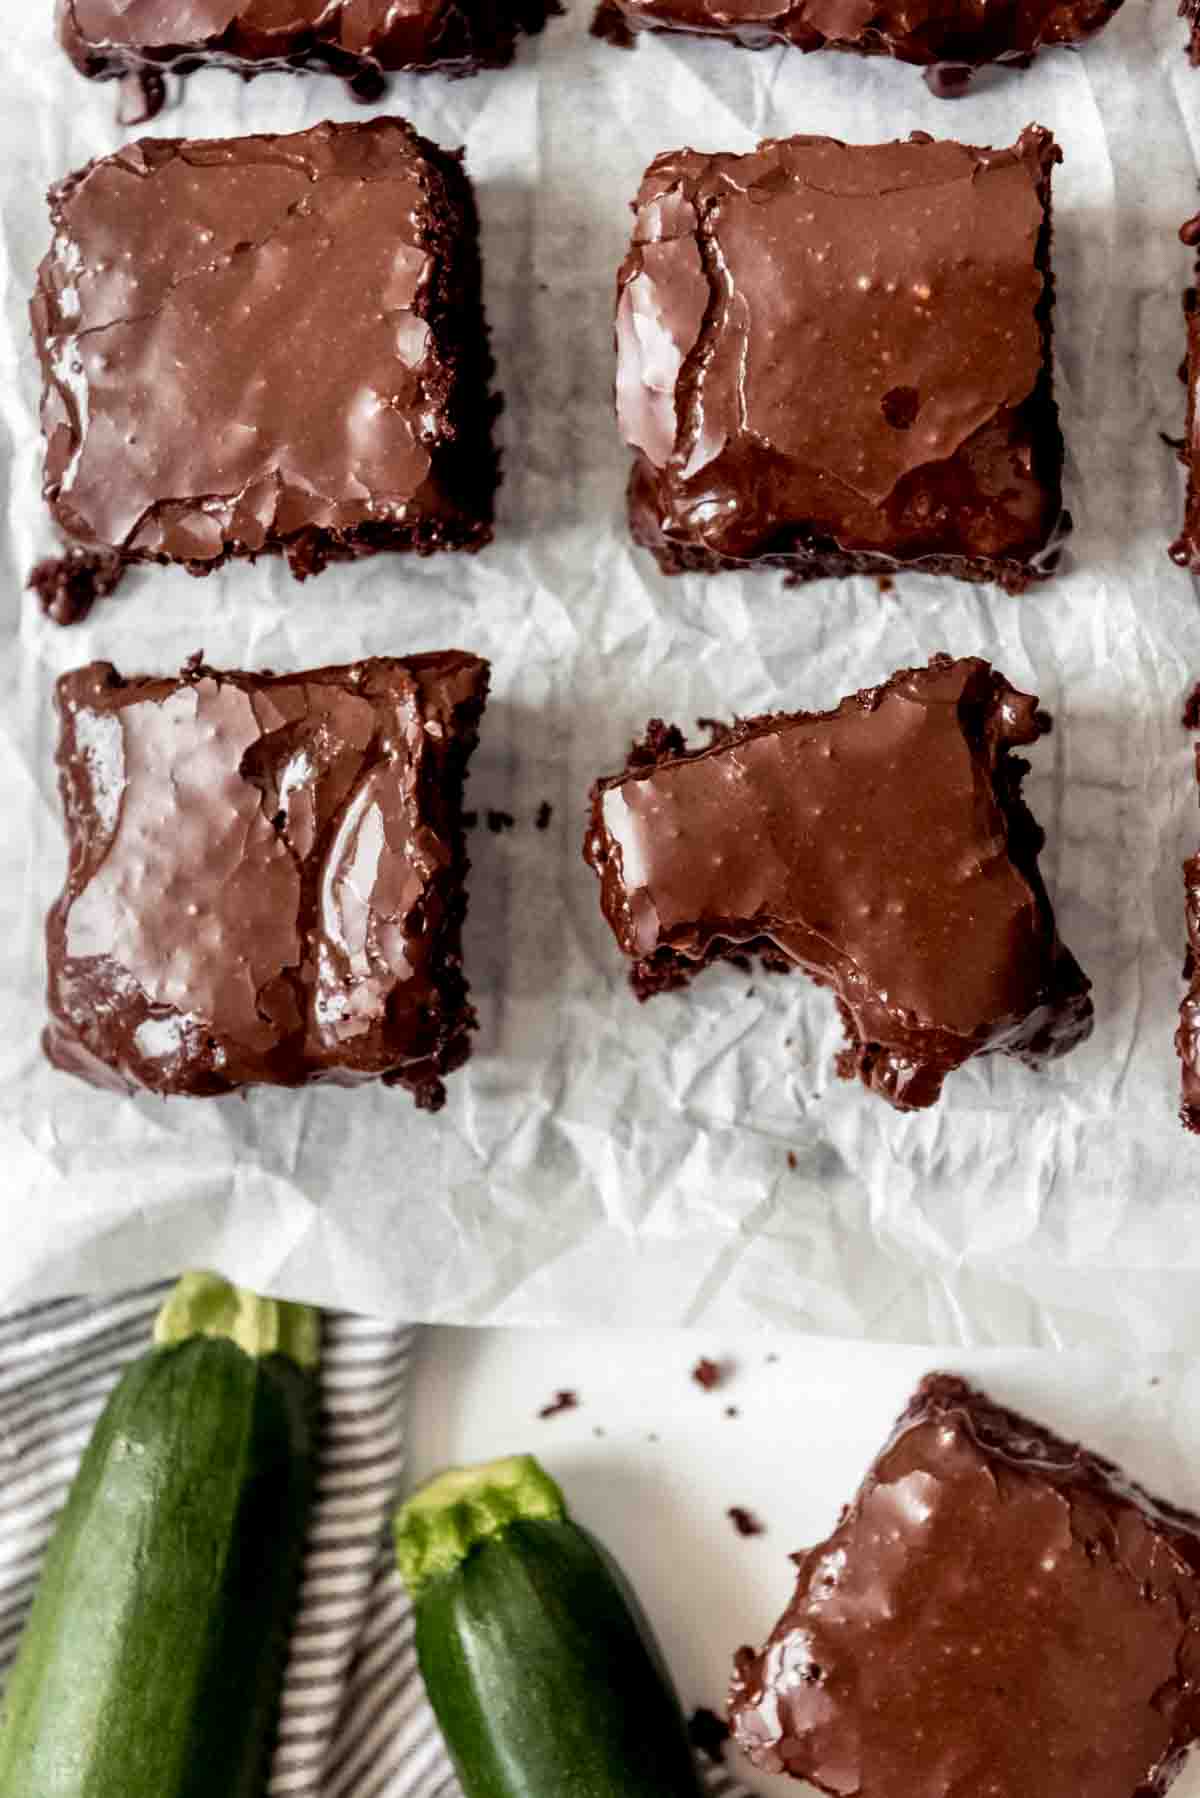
(600, 1161)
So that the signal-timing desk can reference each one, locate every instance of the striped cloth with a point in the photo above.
(356, 1723)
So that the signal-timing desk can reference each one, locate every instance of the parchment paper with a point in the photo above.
(600, 1162)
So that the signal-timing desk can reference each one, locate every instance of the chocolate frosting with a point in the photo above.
(243, 348)
(845, 346)
(998, 1612)
(265, 876)
(965, 34)
(107, 37)
(1185, 550)
(882, 848)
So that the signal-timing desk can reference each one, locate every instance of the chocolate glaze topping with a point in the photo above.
(266, 343)
(998, 1613)
(354, 38)
(883, 848)
(962, 35)
(837, 357)
(265, 876)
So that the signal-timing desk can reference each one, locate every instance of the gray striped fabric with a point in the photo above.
(356, 1723)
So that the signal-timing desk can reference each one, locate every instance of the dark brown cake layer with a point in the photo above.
(998, 1612)
(835, 359)
(883, 848)
(357, 39)
(266, 876)
(267, 344)
(950, 40)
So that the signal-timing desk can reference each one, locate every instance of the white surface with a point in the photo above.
(599, 1162)
(808, 1426)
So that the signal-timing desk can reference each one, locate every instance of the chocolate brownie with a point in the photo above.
(883, 848)
(266, 876)
(836, 359)
(361, 40)
(998, 1612)
(267, 344)
(949, 41)
(1186, 548)
(1187, 1037)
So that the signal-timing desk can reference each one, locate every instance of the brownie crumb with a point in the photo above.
(141, 96)
(69, 585)
(545, 812)
(792, 1162)
(744, 1521)
(708, 1734)
(732, 1411)
(885, 583)
(499, 821)
(1178, 444)
(708, 1373)
(470, 820)
(562, 1401)
(609, 25)
(1191, 709)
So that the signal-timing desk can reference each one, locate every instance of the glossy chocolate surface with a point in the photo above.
(267, 343)
(353, 38)
(265, 877)
(882, 848)
(998, 1613)
(960, 36)
(836, 358)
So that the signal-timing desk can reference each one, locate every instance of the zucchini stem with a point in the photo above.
(206, 1305)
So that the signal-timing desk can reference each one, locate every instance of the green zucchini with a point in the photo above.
(153, 1658)
(540, 1666)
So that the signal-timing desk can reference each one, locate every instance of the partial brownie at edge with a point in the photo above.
(836, 359)
(950, 42)
(107, 38)
(266, 876)
(998, 1612)
(267, 344)
(1185, 550)
(882, 848)
(1187, 1036)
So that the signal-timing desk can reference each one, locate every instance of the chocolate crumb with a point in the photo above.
(562, 1401)
(708, 1734)
(885, 583)
(708, 1373)
(732, 1411)
(69, 585)
(498, 821)
(744, 1522)
(1173, 443)
(792, 1162)
(1191, 709)
(470, 820)
(608, 24)
(141, 96)
(545, 812)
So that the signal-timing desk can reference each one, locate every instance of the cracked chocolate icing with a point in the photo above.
(882, 848)
(951, 41)
(836, 358)
(999, 1613)
(357, 39)
(266, 344)
(265, 878)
